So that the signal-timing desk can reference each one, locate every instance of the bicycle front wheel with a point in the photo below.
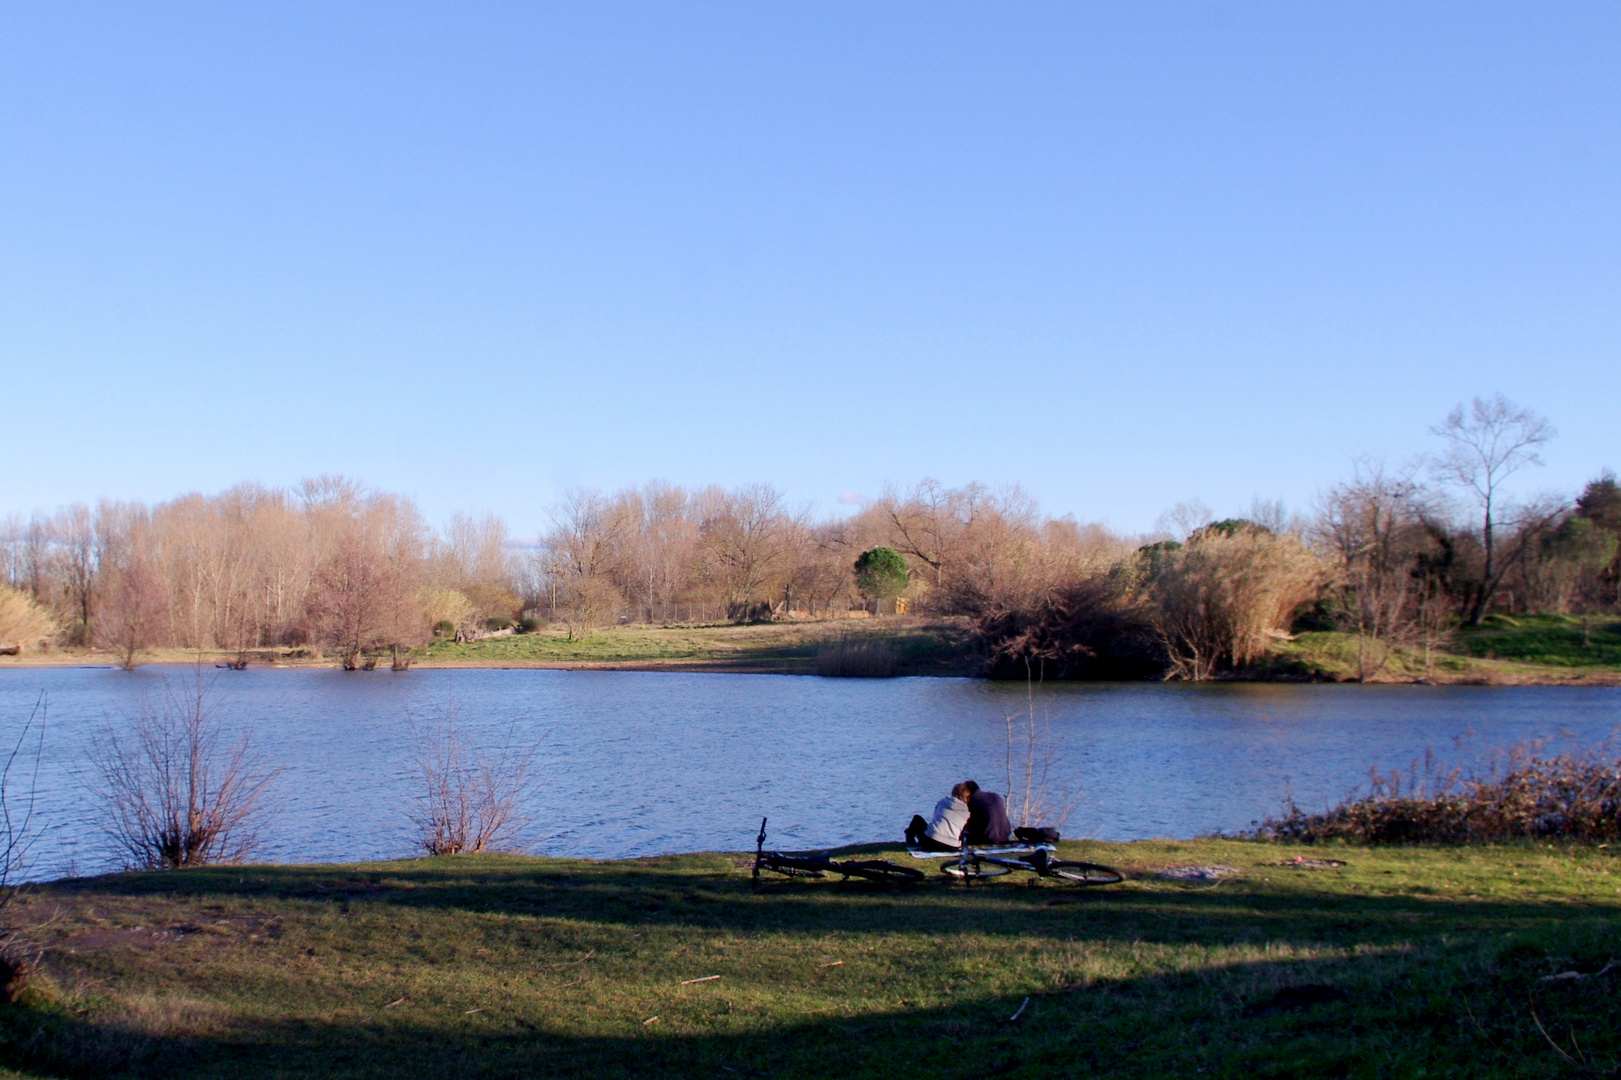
(1085, 873)
(879, 870)
(974, 870)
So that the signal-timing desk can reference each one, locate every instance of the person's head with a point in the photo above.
(959, 792)
(968, 789)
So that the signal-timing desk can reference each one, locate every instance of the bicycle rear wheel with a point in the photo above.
(1085, 873)
(879, 870)
(974, 870)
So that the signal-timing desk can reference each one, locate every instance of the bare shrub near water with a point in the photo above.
(471, 797)
(175, 792)
(1574, 796)
(17, 959)
(1032, 761)
(857, 658)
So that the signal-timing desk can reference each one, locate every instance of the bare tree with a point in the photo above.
(176, 792)
(133, 603)
(1373, 529)
(1485, 446)
(583, 549)
(745, 537)
(471, 797)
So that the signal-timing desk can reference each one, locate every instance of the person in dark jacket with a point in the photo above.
(987, 818)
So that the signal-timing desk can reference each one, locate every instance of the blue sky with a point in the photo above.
(1125, 255)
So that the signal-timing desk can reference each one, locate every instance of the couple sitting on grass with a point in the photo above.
(968, 815)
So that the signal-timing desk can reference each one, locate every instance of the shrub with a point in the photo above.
(175, 794)
(444, 628)
(1571, 797)
(471, 797)
(499, 621)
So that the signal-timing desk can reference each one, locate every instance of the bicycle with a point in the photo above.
(972, 866)
(820, 864)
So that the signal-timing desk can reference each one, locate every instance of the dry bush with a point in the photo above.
(1570, 797)
(1088, 629)
(175, 793)
(23, 623)
(471, 797)
(1224, 598)
(856, 658)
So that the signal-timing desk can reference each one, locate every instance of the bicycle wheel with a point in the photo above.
(974, 870)
(1085, 873)
(879, 870)
(792, 867)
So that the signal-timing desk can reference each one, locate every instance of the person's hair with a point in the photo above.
(969, 786)
(960, 791)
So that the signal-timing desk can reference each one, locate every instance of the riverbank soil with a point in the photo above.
(1489, 962)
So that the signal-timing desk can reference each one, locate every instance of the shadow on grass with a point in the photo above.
(1434, 987)
(718, 895)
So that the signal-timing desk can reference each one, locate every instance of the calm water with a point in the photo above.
(641, 763)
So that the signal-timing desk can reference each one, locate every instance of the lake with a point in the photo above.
(641, 763)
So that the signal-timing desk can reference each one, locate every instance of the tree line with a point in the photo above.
(1395, 556)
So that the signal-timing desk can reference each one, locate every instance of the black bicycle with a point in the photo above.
(972, 866)
(820, 864)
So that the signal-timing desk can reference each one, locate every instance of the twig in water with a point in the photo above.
(706, 978)
(1023, 1005)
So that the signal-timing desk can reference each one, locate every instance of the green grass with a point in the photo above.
(923, 646)
(1553, 640)
(506, 966)
(1542, 648)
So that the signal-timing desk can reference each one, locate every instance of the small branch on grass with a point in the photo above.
(1023, 1005)
(706, 978)
(1582, 1065)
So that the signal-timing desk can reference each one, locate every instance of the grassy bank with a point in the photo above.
(1541, 649)
(1439, 963)
(918, 646)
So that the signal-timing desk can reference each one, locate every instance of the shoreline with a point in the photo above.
(1507, 674)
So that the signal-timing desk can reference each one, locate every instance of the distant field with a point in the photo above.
(919, 646)
(1402, 963)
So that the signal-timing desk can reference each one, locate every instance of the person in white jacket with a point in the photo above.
(944, 831)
